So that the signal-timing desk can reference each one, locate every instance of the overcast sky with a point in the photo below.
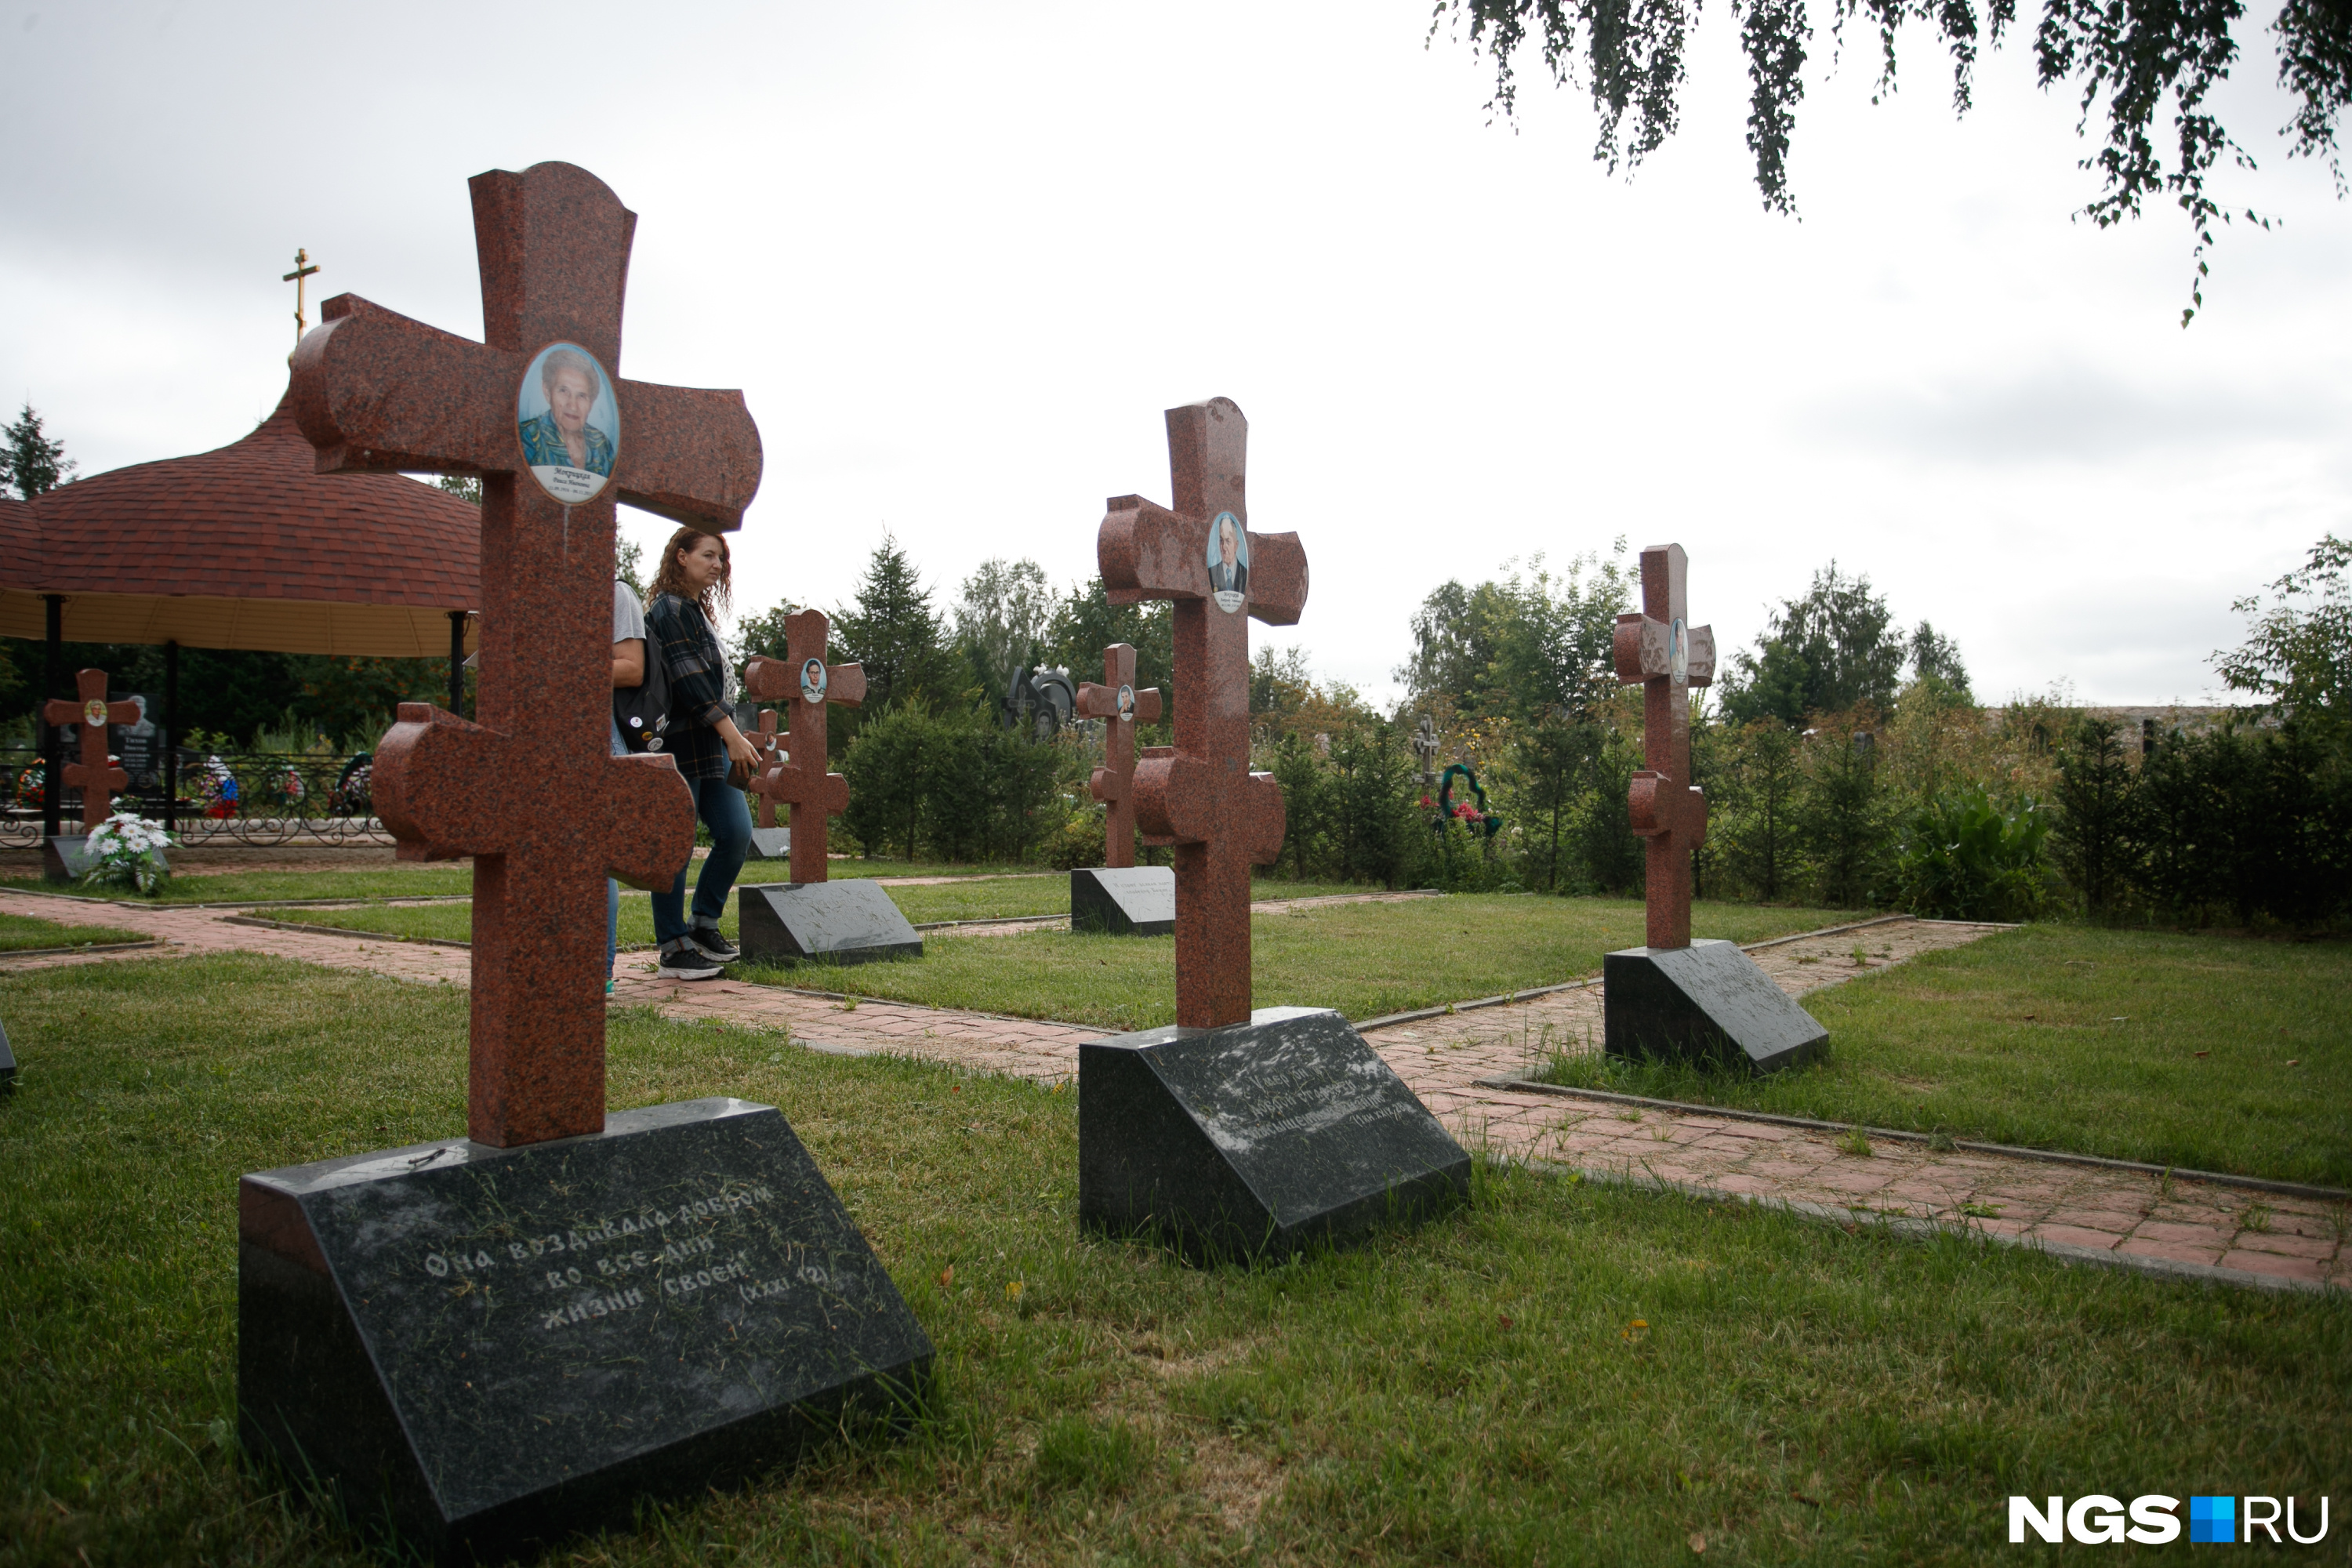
(961, 257)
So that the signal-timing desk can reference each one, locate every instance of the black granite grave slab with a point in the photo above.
(492, 1347)
(1707, 1001)
(1124, 900)
(834, 922)
(771, 843)
(7, 1060)
(65, 858)
(1258, 1138)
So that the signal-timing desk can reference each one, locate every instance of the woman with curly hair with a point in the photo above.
(690, 591)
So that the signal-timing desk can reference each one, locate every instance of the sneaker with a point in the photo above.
(683, 960)
(707, 939)
(608, 985)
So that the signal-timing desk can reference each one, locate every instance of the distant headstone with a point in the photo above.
(1257, 1138)
(7, 1060)
(771, 843)
(1123, 901)
(1675, 997)
(832, 922)
(496, 1346)
(1121, 708)
(96, 775)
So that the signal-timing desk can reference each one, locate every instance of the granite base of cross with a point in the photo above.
(1121, 708)
(95, 776)
(805, 684)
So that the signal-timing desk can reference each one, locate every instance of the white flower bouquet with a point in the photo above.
(128, 851)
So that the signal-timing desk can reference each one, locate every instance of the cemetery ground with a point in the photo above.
(1561, 1371)
(2203, 1050)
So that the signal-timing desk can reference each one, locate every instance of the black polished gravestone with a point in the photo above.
(491, 1347)
(1257, 1138)
(65, 858)
(1706, 1000)
(770, 844)
(7, 1060)
(1124, 900)
(832, 922)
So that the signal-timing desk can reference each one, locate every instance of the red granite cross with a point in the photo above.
(1199, 794)
(764, 741)
(95, 776)
(1659, 649)
(530, 791)
(805, 684)
(1121, 708)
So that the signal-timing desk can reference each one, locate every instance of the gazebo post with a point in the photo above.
(171, 737)
(457, 662)
(53, 665)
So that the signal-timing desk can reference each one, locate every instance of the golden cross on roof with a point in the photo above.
(303, 267)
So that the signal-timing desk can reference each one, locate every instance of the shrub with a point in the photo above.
(1962, 857)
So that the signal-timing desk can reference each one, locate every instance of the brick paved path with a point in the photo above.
(1457, 1062)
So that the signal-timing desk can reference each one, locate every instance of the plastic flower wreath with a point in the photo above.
(128, 851)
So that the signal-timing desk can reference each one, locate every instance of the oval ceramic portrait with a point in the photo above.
(1678, 653)
(93, 713)
(1228, 561)
(568, 422)
(813, 680)
(1126, 703)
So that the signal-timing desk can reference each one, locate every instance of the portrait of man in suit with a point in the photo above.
(1228, 558)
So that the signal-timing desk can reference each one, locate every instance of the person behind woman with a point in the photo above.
(689, 590)
(628, 672)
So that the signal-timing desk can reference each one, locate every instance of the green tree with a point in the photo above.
(467, 488)
(885, 767)
(34, 464)
(1300, 773)
(2145, 61)
(1549, 763)
(2298, 654)
(1532, 644)
(1086, 622)
(1756, 829)
(1936, 670)
(1001, 620)
(2090, 838)
(894, 632)
(1842, 817)
(1825, 652)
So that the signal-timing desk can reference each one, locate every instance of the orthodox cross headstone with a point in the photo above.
(1661, 652)
(767, 744)
(1674, 996)
(95, 776)
(1231, 1133)
(807, 685)
(1121, 708)
(1425, 746)
(1199, 794)
(493, 1340)
(529, 790)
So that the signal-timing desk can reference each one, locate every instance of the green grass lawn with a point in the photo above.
(1558, 1372)
(20, 932)
(2216, 1053)
(973, 899)
(1363, 958)
(377, 881)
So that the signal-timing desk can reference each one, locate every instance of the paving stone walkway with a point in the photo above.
(1460, 1063)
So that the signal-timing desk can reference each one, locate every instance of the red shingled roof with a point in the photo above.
(244, 547)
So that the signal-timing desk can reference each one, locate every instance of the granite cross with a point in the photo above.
(1121, 708)
(764, 741)
(1199, 794)
(530, 791)
(1661, 652)
(807, 684)
(96, 774)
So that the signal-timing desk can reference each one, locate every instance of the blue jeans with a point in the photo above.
(721, 806)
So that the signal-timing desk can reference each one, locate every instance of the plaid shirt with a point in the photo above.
(697, 685)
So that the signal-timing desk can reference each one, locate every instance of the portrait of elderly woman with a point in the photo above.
(561, 435)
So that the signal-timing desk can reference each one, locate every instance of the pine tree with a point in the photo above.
(36, 465)
(894, 632)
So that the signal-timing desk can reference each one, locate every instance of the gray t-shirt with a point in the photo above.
(628, 615)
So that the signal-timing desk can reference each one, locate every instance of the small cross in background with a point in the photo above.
(1121, 708)
(806, 684)
(303, 269)
(96, 774)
